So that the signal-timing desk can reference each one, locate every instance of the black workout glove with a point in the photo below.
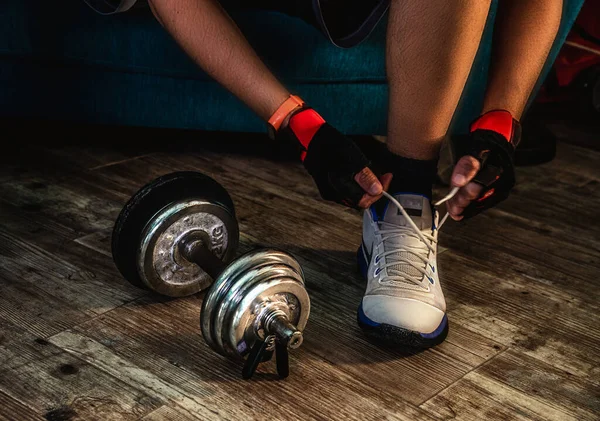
(331, 158)
(492, 140)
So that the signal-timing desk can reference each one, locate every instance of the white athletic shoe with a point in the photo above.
(403, 303)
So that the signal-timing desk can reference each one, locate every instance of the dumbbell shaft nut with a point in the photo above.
(276, 323)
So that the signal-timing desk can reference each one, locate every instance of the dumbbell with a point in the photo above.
(178, 235)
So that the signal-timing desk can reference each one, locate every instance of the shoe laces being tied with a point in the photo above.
(406, 261)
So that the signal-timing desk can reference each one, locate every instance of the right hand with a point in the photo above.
(343, 174)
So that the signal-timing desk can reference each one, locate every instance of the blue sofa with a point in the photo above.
(68, 63)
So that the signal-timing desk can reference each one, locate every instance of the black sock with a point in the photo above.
(411, 176)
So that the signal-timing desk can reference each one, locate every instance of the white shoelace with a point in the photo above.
(402, 254)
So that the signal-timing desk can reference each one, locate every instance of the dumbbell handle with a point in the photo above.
(194, 249)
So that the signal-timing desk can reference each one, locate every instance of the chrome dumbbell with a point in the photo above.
(178, 235)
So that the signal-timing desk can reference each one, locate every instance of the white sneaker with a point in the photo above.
(403, 303)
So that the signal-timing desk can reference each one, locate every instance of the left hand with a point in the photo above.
(464, 171)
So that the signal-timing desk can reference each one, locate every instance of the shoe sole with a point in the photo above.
(393, 335)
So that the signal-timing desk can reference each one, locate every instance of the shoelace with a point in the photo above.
(421, 252)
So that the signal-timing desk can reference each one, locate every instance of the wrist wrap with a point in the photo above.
(492, 140)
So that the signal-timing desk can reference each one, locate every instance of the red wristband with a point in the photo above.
(278, 117)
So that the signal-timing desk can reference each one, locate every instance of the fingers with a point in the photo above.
(462, 199)
(386, 180)
(464, 171)
(367, 200)
(369, 182)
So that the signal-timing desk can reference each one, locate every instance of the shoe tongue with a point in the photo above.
(419, 209)
(416, 206)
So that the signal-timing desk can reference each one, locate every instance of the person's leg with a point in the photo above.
(523, 36)
(431, 46)
(212, 39)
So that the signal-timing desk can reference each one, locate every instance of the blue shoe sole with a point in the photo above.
(394, 335)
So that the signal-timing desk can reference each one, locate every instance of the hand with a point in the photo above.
(464, 171)
(373, 186)
(484, 171)
(341, 171)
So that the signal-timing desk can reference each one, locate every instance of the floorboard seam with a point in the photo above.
(110, 164)
(462, 377)
(91, 319)
(26, 405)
(558, 408)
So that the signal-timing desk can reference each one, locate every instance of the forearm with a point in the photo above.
(212, 39)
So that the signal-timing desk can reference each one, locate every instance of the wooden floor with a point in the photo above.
(77, 342)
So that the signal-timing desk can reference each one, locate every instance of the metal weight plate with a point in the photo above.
(213, 300)
(161, 266)
(259, 281)
(266, 274)
(243, 324)
(160, 200)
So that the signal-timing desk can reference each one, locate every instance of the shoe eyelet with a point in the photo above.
(377, 271)
(377, 259)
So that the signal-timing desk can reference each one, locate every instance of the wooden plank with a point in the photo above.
(475, 397)
(31, 309)
(76, 203)
(49, 283)
(546, 255)
(172, 412)
(62, 244)
(79, 286)
(551, 195)
(514, 386)
(581, 399)
(97, 354)
(44, 294)
(99, 241)
(559, 332)
(64, 387)
(18, 346)
(162, 339)
(11, 409)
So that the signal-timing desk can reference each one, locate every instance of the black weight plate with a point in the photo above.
(151, 198)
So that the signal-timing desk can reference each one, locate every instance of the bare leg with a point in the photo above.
(524, 33)
(431, 46)
(212, 39)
